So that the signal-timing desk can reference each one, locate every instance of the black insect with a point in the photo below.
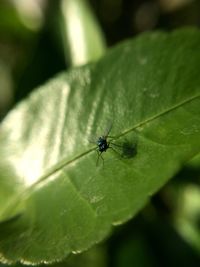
(103, 144)
(125, 149)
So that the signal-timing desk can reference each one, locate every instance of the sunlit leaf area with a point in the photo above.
(100, 133)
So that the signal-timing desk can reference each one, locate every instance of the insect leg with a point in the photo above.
(99, 155)
(115, 144)
(115, 151)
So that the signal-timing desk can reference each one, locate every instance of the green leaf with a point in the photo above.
(83, 39)
(194, 162)
(18, 22)
(187, 215)
(54, 200)
(6, 88)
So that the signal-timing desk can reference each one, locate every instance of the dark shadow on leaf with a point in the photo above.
(126, 149)
(129, 150)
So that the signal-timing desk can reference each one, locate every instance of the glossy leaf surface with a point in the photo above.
(54, 200)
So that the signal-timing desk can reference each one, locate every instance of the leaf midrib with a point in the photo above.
(24, 193)
(63, 163)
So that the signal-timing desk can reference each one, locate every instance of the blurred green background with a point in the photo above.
(37, 39)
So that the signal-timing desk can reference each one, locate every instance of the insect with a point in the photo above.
(126, 149)
(103, 144)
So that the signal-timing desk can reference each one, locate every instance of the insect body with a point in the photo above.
(105, 141)
(102, 144)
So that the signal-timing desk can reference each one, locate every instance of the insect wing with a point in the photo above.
(93, 140)
(108, 129)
